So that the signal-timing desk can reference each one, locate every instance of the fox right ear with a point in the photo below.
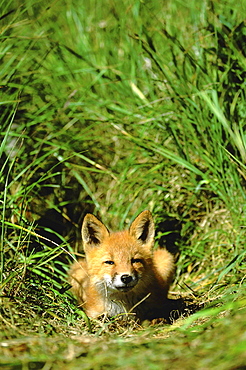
(143, 228)
(93, 231)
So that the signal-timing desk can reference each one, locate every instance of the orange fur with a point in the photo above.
(121, 273)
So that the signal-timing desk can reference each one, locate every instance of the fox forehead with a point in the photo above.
(120, 246)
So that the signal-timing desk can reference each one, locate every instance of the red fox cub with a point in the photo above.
(121, 274)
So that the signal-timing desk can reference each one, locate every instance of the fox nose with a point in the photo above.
(126, 279)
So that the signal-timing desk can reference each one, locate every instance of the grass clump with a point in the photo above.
(113, 108)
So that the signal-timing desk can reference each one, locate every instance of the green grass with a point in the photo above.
(112, 108)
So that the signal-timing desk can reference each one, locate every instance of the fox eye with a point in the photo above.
(137, 260)
(109, 262)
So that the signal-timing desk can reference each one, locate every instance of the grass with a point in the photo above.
(113, 108)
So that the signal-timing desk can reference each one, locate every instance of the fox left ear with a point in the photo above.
(93, 232)
(143, 228)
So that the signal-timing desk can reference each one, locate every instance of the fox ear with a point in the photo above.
(93, 231)
(143, 228)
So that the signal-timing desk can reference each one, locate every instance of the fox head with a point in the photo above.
(118, 261)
